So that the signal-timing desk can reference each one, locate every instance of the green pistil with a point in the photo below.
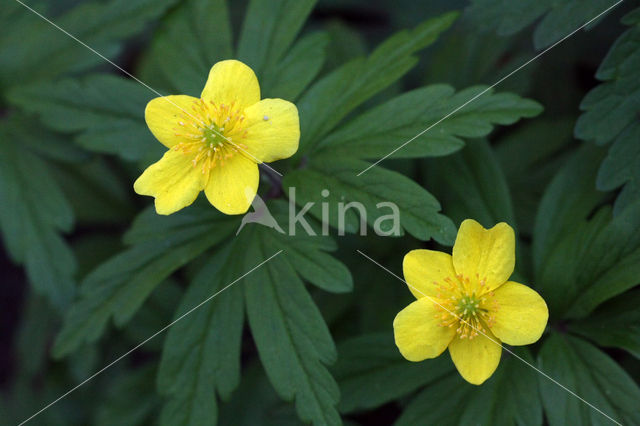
(468, 306)
(212, 134)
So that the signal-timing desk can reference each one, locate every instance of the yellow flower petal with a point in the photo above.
(232, 187)
(485, 254)
(476, 359)
(173, 181)
(232, 82)
(424, 268)
(163, 115)
(273, 129)
(418, 332)
(521, 316)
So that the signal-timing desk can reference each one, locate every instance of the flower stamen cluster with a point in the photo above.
(465, 305)
(212, 129)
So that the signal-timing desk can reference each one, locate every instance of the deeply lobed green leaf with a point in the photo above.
(509, 397)
(380, 130)
(611, 114)
(559, 17)
(106, 111)
(119, 286)
(592, 375)
(48, 52)
(330, 99)
(34, 214)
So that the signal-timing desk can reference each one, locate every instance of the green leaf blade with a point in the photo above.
(107, 111)
(293, 340)
(333, 97)
(591, 374)
(201, 355)
(119, 286)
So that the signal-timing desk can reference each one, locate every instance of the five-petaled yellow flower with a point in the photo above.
(216, 141)
(466, 303)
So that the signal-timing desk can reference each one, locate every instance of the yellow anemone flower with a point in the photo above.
(216, 141)
(466, 303)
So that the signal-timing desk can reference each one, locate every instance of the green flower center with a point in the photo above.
(213, 136)
(465, 305)
(468, 306)
(209, 134)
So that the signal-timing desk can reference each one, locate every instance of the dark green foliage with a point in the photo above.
(201, 353)
(187, 44)
(107, 111)
(509, 398)
(117, 288)
(129, 400)
(596, 257)
(614, 324)
(611, 115)
(528, 175)
(373, 135)
(269, 29)
(328, 101)
(34, 213)
(559, 18)
(592, 375)
(235, 323)
(478, 188)
(47, 52)
(371, 372)
(292, 338)
(376, 186)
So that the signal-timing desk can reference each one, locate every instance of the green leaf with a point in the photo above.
(339, 176)
(611, 114)
(545, 142)
(117, 288)
(332, 98)
(371, 372)
(290, 76)
(509, 397)
(373, 135)
(561, 17)
(592, 375)
(201, 354)
(35, 215)
(570, 198)
(593, 261)
(39, 322)
(48, 52)
(467, 57)
(107, 111)
(129, 399)
(153, 316)
(42, 141)
(610, 263)
(345, 44)
(269, 28)
(478, 188)
(266, 408)
(293, 340)
(307, 255)
(614, 324)
(621, 167)
(192, 38)
(612, 106)
(97, 191)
